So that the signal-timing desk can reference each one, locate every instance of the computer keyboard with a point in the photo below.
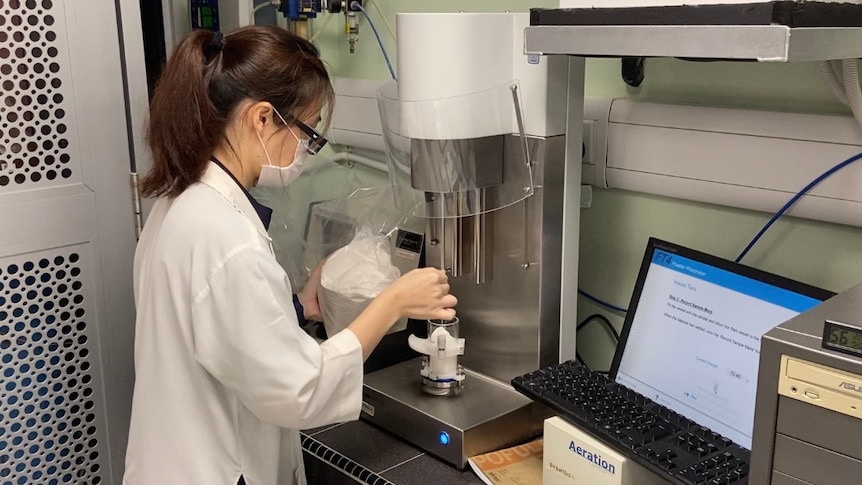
(650, 434)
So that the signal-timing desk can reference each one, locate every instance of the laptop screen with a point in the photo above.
(691, 337)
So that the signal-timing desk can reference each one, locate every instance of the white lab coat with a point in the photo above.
(224, 374)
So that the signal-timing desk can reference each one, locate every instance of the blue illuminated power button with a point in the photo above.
(444, 438)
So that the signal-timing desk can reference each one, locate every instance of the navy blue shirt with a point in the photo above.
(265, 214)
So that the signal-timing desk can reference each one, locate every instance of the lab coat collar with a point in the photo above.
(219, 180)
(262, 211)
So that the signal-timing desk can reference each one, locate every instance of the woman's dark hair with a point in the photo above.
(206, 79)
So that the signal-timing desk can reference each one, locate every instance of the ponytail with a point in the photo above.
(184, 125)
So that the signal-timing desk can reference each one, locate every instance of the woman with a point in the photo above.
(224, 375)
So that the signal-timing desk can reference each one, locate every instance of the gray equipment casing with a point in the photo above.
(797, 439)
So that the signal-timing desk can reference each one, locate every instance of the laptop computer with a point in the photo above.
(691, 336)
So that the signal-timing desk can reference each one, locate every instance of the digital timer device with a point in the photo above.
(842, 337)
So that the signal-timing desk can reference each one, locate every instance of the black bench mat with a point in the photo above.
(787, 13)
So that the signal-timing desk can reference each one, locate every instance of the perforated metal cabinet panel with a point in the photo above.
(49, 431)
(35, 133)
(66, 245)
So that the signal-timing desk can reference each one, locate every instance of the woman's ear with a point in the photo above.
(259, 116)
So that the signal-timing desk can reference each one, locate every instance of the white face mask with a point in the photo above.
(272, 176)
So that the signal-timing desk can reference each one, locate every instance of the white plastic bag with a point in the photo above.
(353, 276)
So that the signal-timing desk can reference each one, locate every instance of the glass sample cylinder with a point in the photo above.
(451, 326)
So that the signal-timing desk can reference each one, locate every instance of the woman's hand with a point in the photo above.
(308, 296)
(422, 294)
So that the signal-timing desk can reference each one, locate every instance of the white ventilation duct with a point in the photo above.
(740, 158)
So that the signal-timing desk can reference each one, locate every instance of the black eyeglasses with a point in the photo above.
(315, 142)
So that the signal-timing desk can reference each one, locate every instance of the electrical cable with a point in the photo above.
(595, 300)
(847, 91)
(603, 319)
(608, 325)
(383, 17)
(793, 200)
(359, 7)
(757, 237)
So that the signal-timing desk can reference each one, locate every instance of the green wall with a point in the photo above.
(614, 230)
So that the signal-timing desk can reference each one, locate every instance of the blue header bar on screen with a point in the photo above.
(742, 284)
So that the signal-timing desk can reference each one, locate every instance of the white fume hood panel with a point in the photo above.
(741, 158)
(356, 118)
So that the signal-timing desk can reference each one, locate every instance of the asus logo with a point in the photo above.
(850, 386)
